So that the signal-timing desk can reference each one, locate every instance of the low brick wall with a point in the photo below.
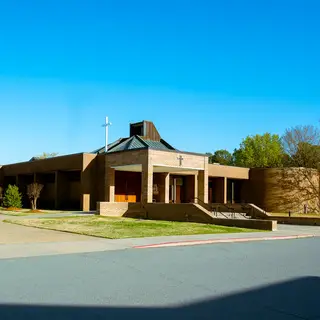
(118, 209)
(303, 221)
(177, 212)
(269, 225)
(195, 213)
(185, 212)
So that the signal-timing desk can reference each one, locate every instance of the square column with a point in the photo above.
(110, 184)
(203, 181)
(147, 182)
(225, 190)
(164, 187)
(85, 190)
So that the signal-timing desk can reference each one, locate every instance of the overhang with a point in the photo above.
(156, 168)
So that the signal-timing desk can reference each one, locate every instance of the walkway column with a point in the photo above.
(85, 190)
(225, 190)
(164, 187)
(147, 182)
(203, 181)
(110, 184)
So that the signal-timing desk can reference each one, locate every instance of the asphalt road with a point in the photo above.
(257, 280)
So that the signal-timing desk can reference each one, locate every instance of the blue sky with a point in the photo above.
(208, 73)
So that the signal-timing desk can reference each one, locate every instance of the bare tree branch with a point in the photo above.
(33, 192)
(301, 175)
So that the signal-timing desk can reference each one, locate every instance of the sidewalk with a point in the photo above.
(89, 244)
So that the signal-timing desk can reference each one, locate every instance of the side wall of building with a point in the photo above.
(283, 190)
(70, 182)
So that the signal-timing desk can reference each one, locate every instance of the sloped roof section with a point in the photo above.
(110, 146)
(137, 142)
(130, 144)
(146, 137)
(157, 145)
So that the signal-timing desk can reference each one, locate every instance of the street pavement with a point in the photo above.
(253, 280)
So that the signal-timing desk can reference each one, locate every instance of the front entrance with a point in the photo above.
(127, 186)
(234, 188)
(177, 189)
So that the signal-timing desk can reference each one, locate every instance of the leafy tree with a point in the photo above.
(12, 197)
(46, 155)
(33, 192)
(260, 151)
(222, 156)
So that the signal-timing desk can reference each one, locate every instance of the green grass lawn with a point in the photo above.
(118, 228)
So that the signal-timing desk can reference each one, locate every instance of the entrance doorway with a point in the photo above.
(234, 191)
(177, 189)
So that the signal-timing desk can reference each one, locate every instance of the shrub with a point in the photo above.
(12, 197)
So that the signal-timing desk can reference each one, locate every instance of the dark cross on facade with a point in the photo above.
(180, 160)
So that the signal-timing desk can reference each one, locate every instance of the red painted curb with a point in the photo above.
(231, 240)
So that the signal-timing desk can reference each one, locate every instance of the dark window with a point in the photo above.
(136, 129)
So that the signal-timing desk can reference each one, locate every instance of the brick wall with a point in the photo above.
(177, 212)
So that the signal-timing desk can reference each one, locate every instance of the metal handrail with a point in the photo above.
(216, 209)
(229, 209)
(206, 205)
(210, 206)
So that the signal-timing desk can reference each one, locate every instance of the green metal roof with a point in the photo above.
(158, 145)
(137, 142)
(130, 144)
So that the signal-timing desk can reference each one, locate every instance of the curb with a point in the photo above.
(213, 241)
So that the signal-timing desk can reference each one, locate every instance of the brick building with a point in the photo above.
(142, 168)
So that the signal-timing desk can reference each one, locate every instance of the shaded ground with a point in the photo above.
(265, 280)
(119, 228)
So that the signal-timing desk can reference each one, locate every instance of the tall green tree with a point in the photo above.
(221, 156)
(260, 151)
(12, 197)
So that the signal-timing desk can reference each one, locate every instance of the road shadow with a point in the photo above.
(295, 299)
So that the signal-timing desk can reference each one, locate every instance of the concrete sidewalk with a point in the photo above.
(66, 243)
(17, 234)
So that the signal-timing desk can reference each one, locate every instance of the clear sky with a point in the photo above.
(208, 73)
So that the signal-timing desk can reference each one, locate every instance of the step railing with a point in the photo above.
(232, 210)
(216, 209)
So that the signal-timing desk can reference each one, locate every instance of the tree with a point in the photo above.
(46, 155)
(222, 156)
(12, 197)
(302, 144)
(301, 173)
(33, 192)
(260, 151)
